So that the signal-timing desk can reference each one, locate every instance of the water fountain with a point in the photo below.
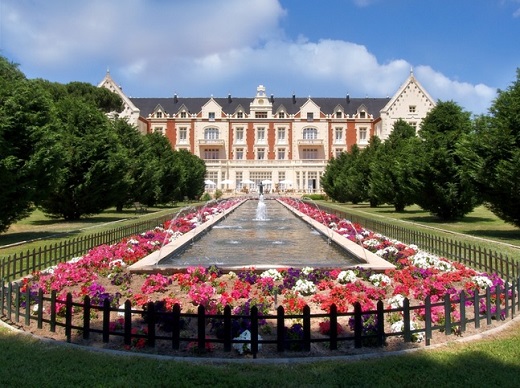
(261, 210)
(245, 237)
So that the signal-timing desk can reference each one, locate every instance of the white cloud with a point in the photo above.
(156, 48)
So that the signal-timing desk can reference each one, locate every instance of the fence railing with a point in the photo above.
(484, 260)
(16, 266)
(71, 317)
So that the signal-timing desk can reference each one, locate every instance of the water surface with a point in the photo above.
(242, 240)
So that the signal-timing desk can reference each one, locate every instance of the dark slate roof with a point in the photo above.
(172, 105)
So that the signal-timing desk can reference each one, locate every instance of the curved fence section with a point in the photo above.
(155, 327)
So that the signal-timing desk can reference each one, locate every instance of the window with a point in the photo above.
(310, 116)
(183, 135)
(310, 133)
(260, 135)
(362, 135)
(411, 109)
(338, 152)
(413, 124)
(158, 130)
(281, 154)
(211, 153)
(281, 135)
(239, 135)
(338, 135)
(310, 153)
(260, 153)
(211, 134)
(261, 115)
(183, 114)
(211, 116)
(240, 115)
(281, 115)
(339, 114)
(158, 115)
(239, 154)
(362, 114)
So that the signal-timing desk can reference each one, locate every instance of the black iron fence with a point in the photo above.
(75, 321)
(484, 260)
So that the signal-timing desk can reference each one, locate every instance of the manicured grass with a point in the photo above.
(489, 362)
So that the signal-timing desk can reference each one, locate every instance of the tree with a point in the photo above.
(92, 162)
(29, 152)
(193, 171)
(394, 165)
(445, 188)
(161, 174)
(493, 152)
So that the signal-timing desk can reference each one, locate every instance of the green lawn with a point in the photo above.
(492, 361)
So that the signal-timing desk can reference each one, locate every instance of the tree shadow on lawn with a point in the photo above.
(504, 235)
(22, 237)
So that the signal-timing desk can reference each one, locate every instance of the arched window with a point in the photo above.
(211, 134)
(310, 133)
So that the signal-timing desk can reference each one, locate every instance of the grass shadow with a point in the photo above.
(22, 237)
(504, 235)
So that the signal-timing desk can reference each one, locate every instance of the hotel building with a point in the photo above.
(284, 140)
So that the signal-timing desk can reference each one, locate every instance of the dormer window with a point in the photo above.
(411, 109)
(261, 115)
(183, 114)
(339, 114)
(281, 115)
(362, 114)
(310, 116)
(240, 115)
(158, 115)
(211, 116)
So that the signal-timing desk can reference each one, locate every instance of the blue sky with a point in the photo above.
(461, 50)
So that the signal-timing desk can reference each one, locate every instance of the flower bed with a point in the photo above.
(102, 275)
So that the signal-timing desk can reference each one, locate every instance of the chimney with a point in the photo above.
(229, 99)
(272, 98)
(348, 99)
(294, 98)
(175, 99)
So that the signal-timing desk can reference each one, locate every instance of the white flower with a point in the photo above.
(75, 259)
(307, 270)
(133, 241)
(398, 327)
(232, 275)
(379, 279)
(396, 301)
(271, 273)
(245, 347)
(482, 281)
(347, 276)
(305, 287)
(426, 260)
(118, 262)
(121, 313)
(371, 242)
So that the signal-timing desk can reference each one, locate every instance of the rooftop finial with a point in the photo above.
(411, 70)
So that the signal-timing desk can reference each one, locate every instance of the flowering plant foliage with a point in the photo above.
(417, 275)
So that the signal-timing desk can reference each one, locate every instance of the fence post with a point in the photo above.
(380, 324)
(462, 304)
(86, 317)
(447, 315)
(227, 328)
(40, 308)
(333, 319)
(488, 305)
(476, 308)
(254, 331)
(53, 311)
(280, 329)
(358, 326)
(106, 320)
(306, 328)
(201, 329)
(27, 306)
(128, 323)
(428, 319)
(68, 317)
(152, 320)
(406, 319)
(16, 291)
(498, 307)
(176, 326)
